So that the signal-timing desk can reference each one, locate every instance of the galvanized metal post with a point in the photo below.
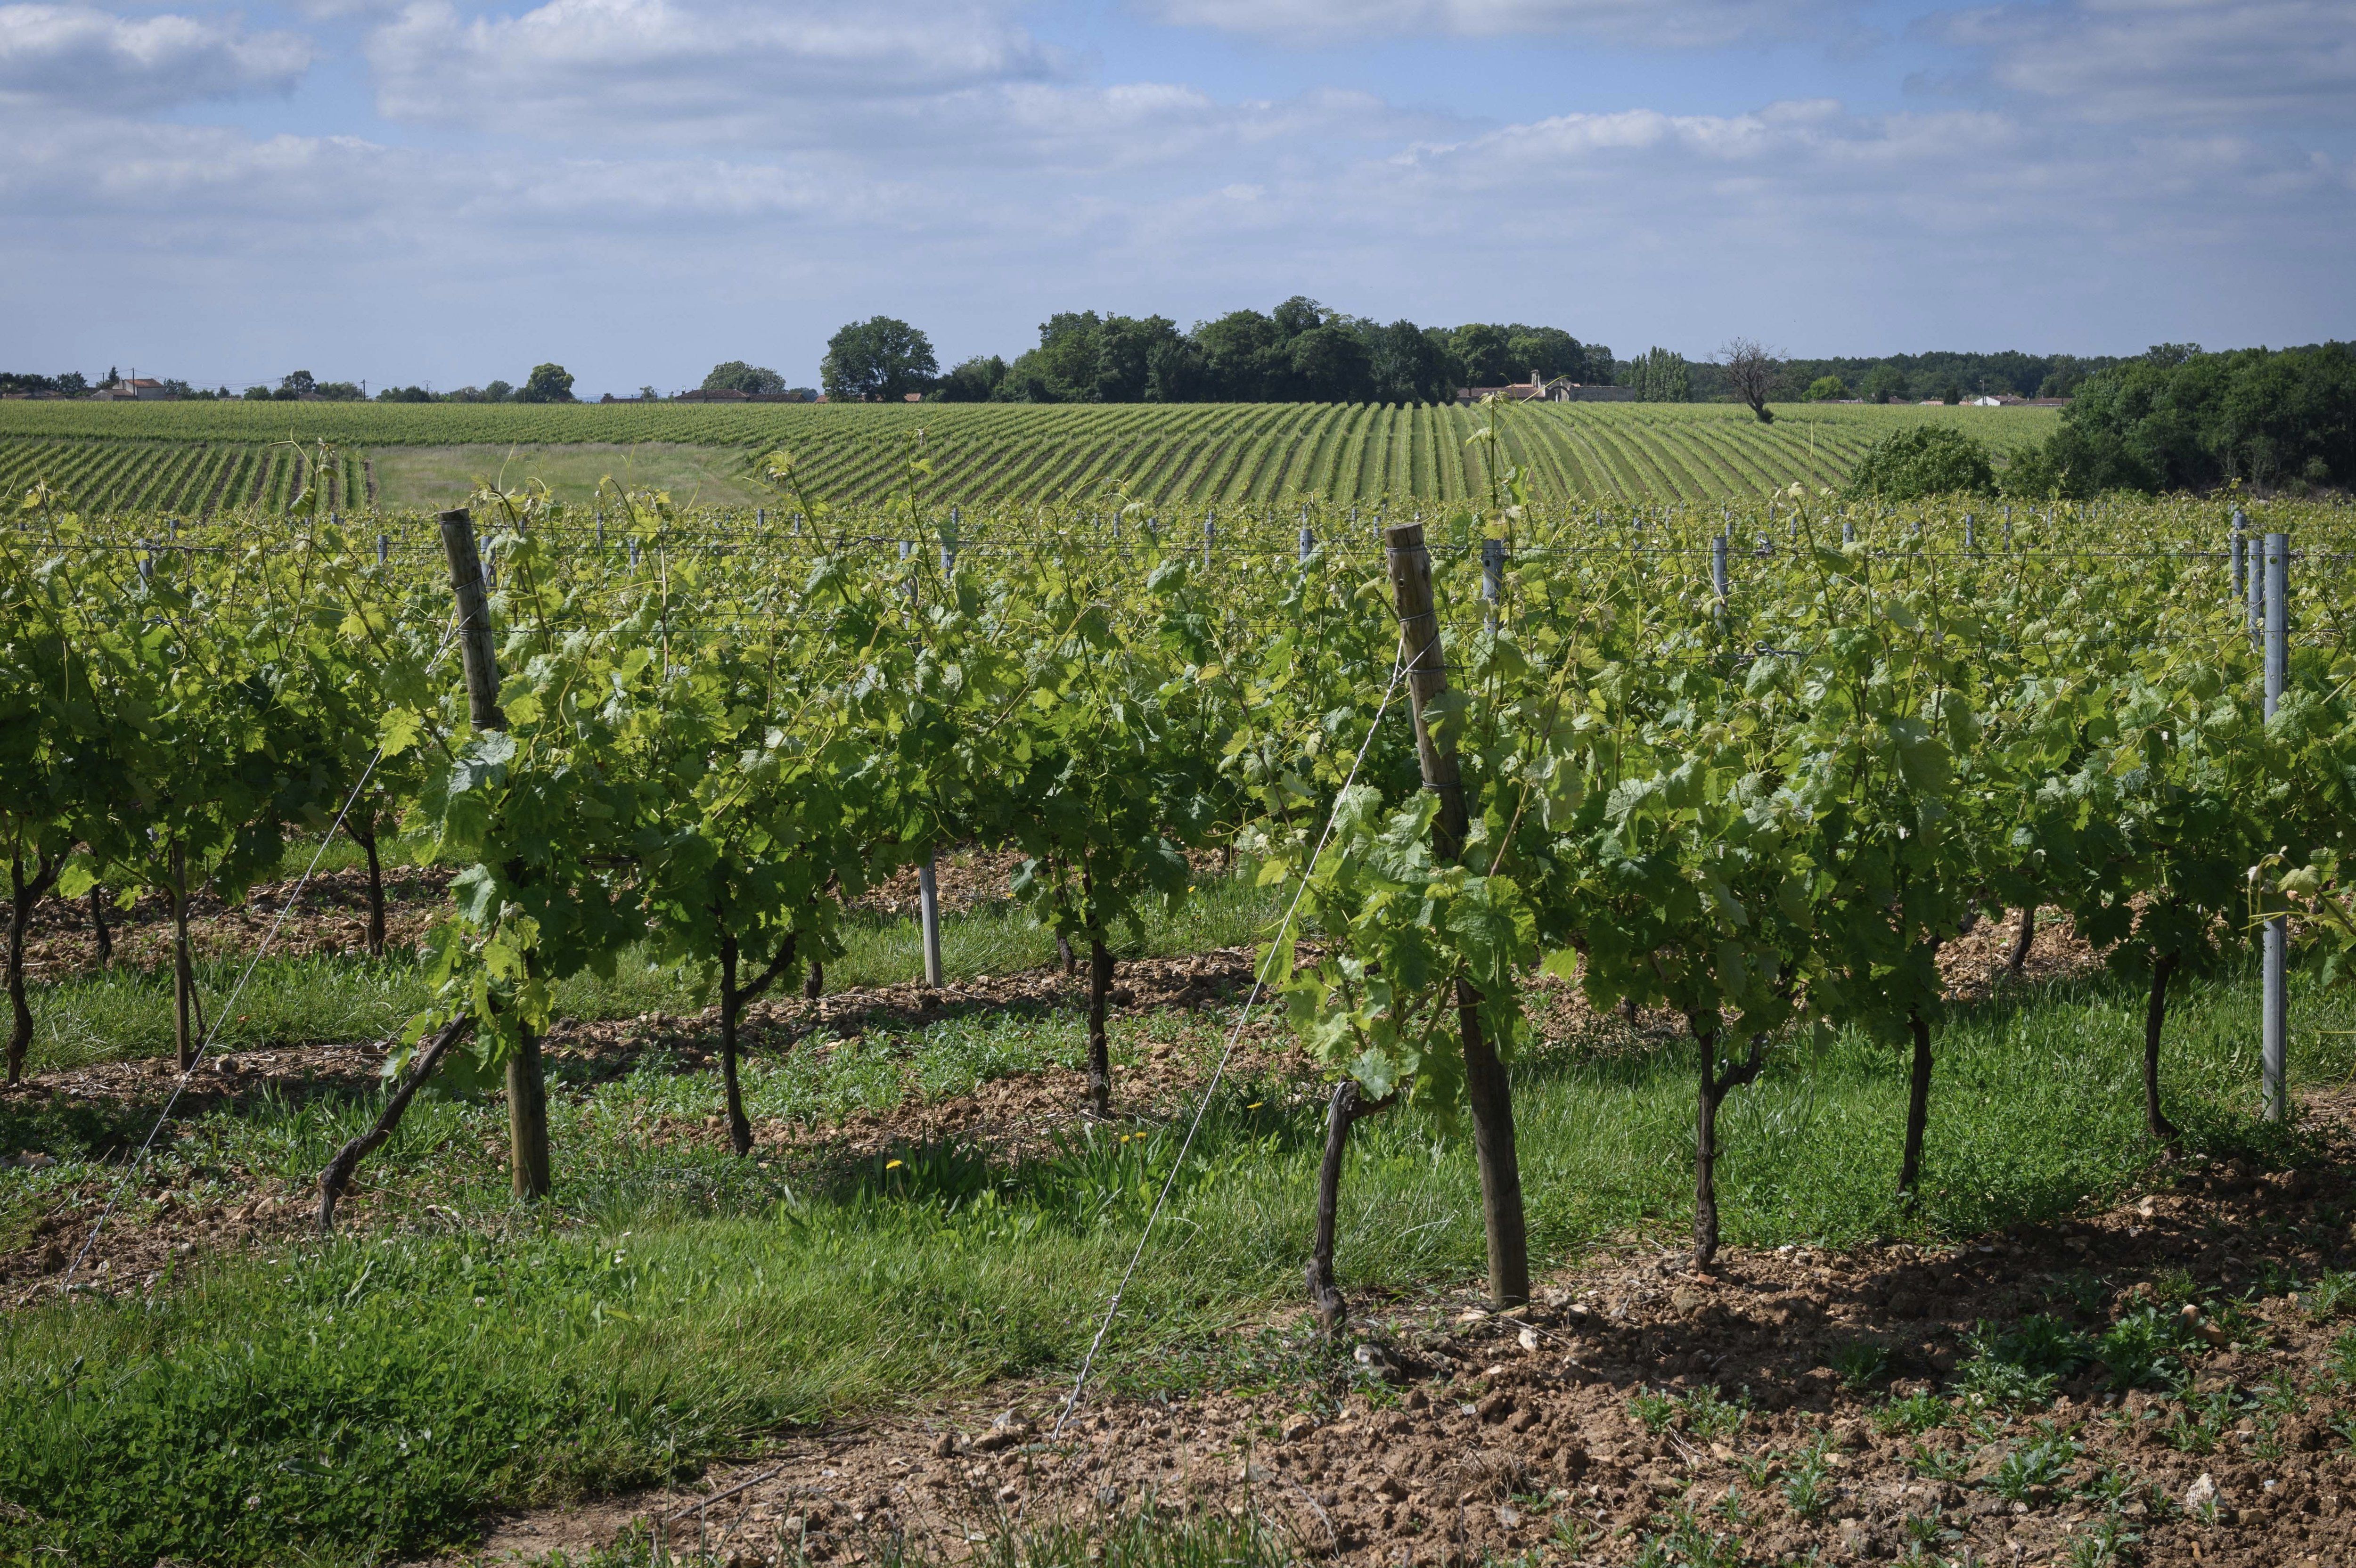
(1492, 575)
(1718, 569)
(1967, 533)
(1308, 538)
(1210, 534)
(2239, 555)
(2256, 603)
(2276, 1037)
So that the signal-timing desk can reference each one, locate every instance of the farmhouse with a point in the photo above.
(1560, 390)
(136, 388)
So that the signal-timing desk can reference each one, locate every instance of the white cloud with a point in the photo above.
(2169, 61)
(80, 54)
(1681, 24)
(715, 71)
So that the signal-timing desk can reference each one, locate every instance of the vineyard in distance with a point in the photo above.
(199, 460)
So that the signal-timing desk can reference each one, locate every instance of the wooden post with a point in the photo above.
(184, 979)
(478, 653)
(1485, 1089)
(478, 650)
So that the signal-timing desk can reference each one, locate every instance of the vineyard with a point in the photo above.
(201, 460)
(1617, 1128)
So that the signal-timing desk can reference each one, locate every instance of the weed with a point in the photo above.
(1806, 1480)
(1575, 1535)
(1758, 1468)
(2023, 1470)
(1939, 1464)
(1702, 1412)
(2106, 1543)
(1711, 1417)
(2081, 1291)
(2143, 1347)
(2281, 1395)
(1912, 1413)
(1658, 1412)
(1861, 1363)
(1686, 1542)
(2176, 1288)
(2019, 1366)
(2343, 1354)
(2332, 1294)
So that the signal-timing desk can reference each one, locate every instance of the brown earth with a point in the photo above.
(332, 918)
(1478, 1437)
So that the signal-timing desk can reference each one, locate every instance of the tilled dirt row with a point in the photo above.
(1642, 1405)
(331, 918)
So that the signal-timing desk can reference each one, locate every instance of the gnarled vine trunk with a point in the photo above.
(2155, 1015)
(23, 895)
(1099, 1053)
(1918, 1108)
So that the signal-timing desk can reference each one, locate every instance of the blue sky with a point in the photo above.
(440, 191)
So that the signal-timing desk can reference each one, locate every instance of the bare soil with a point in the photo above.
(331, 919)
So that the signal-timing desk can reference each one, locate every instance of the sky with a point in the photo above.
(442, 192)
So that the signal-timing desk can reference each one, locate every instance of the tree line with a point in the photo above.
(2177, 419)
(1299, 352)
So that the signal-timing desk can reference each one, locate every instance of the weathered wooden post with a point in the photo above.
(479, 654)
(1486, 1092)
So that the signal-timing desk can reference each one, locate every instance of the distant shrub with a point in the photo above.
(1928, 460)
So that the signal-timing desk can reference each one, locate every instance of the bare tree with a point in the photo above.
(1752, 368)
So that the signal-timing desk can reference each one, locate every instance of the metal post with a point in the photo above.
(1718, 569)
(1967, 533)
(928, 910)
(1492, 575)
(2255, 583)
(1848, 533)
(2240, 555)
(950, 545)
(1210, 534)
(1308, 537)
(2276, 1037)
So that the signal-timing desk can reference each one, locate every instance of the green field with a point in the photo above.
(199, 459)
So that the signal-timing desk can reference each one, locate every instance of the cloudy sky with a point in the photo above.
(445, 191)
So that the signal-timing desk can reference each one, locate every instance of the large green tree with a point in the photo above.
(736, 376)
(881, 357)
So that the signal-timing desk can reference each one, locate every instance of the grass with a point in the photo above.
(122, 1014)
(673, 1303)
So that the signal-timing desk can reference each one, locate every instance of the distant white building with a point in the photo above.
(1537, 389)
(134, 389)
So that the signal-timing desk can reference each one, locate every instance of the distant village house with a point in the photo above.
(1560, 390)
